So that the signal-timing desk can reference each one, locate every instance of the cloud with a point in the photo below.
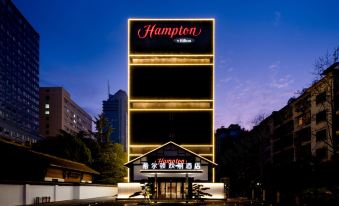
(230, 69)
(277, 18)
(241, 101)
(283, 82)
(277, 80)
(226, 80)
(273, 66)
(223, 62)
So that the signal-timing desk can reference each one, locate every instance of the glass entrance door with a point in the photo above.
(171, 188)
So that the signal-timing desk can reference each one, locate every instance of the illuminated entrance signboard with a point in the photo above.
(175, 163)
(171, 37)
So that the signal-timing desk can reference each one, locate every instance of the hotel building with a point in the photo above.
(171, 104)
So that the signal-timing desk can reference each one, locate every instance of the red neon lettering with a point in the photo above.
(168, 161)
(152, 30)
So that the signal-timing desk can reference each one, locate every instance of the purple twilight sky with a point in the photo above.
(265, 49)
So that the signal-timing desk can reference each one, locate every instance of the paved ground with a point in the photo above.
(110, 201)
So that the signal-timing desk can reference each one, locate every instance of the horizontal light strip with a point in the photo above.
(195, 64)
(160, 110)
(173, 19)
(171, 55)
(171, 105)
(196, 145)
(171, 100)
(139, 154)
(136, 155)
(158, 145)
(170, 60)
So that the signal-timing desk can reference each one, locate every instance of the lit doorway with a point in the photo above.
(171, 188)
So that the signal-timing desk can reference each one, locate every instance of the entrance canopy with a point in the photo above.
(171, 160)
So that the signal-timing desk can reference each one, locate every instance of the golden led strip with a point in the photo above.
(170, 100)
(171, 55)
(213, 77)
(171, 105)
(128, 99)
(169, 64)
(136, 154)
(182, 145)
(173, 64)
(161, 109)
(172, 19)
(209, 155)
(196, 145)
(173, 60)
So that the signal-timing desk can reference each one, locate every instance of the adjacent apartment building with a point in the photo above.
(19, 76)
(59, 112)
(114, 110)
(307, 127)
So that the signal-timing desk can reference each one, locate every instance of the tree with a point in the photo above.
(199, 191)
(323, 62)
(110, 163)
(93, 146)
(323, 88)
(110, 158)
(104, 129)
(258, 119)
(146, 191)
(239, 161)
(66, 146)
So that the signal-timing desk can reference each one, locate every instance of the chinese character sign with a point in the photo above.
(171, 165)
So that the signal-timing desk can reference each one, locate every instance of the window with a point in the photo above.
(306, 151)
(320, 98)
(304, 119)
(304, 135)
(300, 121)
(320, 117)
(321, 153)
(47, 106)
(47, 112)
(321, 135)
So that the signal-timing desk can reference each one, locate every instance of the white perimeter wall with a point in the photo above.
(215, 189)
(24, 194)
(125, 190)
(11, 194)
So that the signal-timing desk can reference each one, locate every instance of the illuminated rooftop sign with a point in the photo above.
(153, 30)
(165, 36)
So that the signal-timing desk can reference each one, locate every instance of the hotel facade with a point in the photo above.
(170, 106)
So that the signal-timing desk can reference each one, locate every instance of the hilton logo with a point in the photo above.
(148, 31)
(183, 40)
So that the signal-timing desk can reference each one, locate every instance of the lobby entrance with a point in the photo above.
(172, 188)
